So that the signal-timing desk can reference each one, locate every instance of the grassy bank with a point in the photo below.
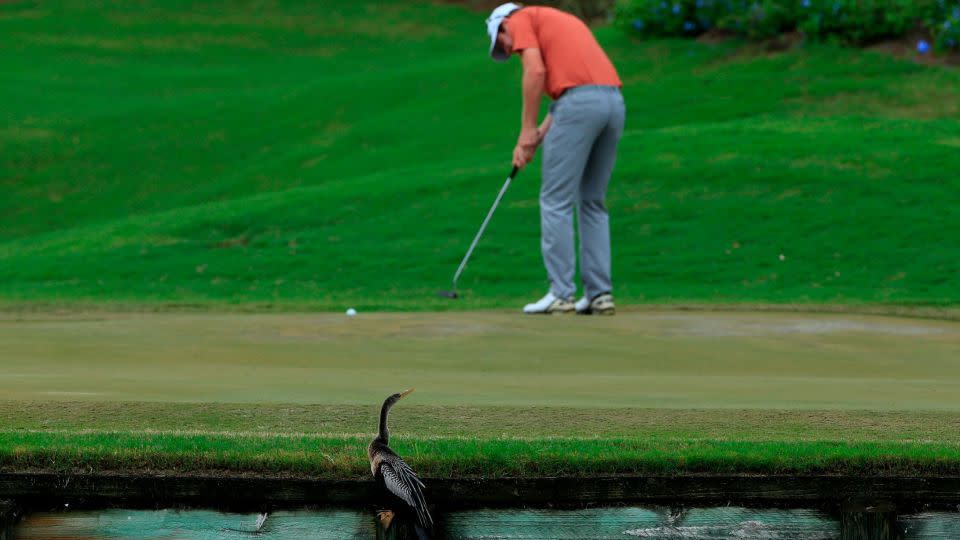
(450, 442)
(262, 155)
(344, 458)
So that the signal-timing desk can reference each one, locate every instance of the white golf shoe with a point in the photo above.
(549, 304)
(601, 304)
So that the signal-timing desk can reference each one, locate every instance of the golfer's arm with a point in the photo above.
(534, 80)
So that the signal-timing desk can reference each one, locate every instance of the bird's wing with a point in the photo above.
(404, 483)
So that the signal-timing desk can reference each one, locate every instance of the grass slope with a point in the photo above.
(265, 154)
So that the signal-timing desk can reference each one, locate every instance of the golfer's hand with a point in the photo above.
(521, 156)
(526, 147)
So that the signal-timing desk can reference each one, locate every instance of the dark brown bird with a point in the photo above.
(392, 472)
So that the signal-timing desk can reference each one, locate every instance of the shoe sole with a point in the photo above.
(551, 312)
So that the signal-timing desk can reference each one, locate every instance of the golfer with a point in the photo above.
(562, 58)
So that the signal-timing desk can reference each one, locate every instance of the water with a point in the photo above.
(194, 525)
(645, 523)
(595, 523)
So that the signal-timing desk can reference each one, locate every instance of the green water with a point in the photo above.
(597, 523)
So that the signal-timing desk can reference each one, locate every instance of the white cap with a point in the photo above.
(493, 28)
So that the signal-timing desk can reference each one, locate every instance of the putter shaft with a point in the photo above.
(483, 226)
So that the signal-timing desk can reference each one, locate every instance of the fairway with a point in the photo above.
(637, 359)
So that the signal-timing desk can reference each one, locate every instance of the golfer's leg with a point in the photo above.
(595, 266)
(565, 153)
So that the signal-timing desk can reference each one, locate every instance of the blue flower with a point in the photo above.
(923, 47)
(806, 3)
(689, 26)
(638, 24)
(676, 9)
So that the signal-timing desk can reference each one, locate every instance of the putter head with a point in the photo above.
(447, 294)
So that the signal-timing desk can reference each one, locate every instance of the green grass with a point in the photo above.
(664, 393)
(255, 155)
(448, 442)
(411, 421)
(344, 458)
(262, 155)
(660, 359)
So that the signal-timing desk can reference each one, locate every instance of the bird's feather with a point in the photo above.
(400, 480)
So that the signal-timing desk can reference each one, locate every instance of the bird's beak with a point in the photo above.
(405, 392)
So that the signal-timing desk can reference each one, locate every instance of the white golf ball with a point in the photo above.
(351, 312)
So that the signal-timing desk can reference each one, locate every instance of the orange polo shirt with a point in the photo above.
(570, 52)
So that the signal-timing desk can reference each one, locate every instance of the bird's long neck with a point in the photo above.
(384, 411)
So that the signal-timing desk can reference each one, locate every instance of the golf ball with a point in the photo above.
(351, 312)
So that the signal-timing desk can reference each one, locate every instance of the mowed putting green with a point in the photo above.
(651, 359)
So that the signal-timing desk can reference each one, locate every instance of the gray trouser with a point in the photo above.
(578, 156)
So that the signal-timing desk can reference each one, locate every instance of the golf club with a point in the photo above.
(452, 293)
